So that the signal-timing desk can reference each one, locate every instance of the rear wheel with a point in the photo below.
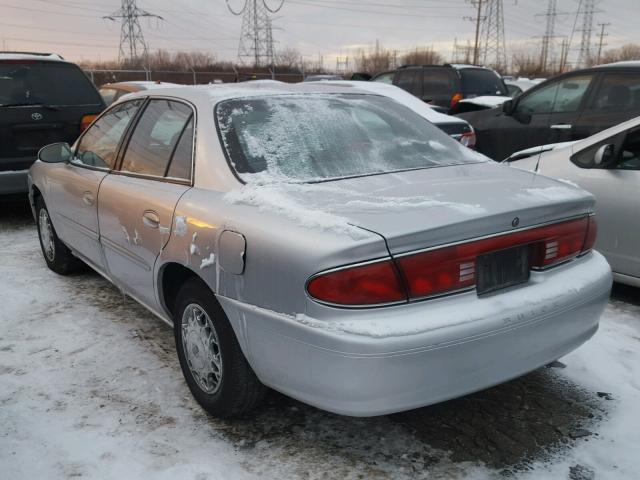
(212, 362)
(57, 255)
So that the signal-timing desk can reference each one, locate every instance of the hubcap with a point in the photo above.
(46, 235)
(201, 348)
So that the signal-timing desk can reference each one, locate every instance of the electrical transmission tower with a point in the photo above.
(256, 36)
(588, 9)
(549, 34)
(492, 44)
(132, 44)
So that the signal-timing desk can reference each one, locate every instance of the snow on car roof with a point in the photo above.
(54, 57)
(218, 92)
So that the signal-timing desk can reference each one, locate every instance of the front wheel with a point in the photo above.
(57, 255)
(212, 362)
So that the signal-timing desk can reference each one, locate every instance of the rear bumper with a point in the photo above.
(476, 343)
(13, 182)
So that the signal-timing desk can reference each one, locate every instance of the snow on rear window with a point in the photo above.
(322, 137)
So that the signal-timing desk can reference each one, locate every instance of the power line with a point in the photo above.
(132, 44)
(589, 8)
(549, 33)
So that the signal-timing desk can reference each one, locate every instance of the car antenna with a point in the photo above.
(538, 161)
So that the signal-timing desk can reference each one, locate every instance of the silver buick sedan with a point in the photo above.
(332, 245)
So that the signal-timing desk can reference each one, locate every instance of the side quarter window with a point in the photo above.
(617, 91)
(629, 158)
(163, 133)
(98, 147)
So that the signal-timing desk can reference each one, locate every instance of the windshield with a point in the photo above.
(48, 83)
(479, 81)
(322, 137)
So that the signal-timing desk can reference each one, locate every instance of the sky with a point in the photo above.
(327, 28)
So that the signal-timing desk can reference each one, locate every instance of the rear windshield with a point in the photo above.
(478, 81)
(49, 83)
(323, 137)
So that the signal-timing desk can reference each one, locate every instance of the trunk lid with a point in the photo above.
(419, 209)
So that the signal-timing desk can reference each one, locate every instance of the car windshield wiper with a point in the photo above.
(41, 105)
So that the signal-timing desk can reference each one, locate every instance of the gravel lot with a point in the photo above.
(90, 387)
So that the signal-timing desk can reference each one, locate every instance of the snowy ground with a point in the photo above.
(90, 387)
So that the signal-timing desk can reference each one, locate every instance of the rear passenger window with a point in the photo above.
(180, 166)
(618, 91)
(157, 137)
(438, 81)
(410, 80)
(98, 147)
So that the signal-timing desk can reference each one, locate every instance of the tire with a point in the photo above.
(57, 255)
(217, 373)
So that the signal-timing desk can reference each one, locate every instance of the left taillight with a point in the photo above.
(86, 121)
(455, 98)
(468, 139)
(375, 283)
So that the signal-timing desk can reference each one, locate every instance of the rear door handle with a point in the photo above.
(561, 126)
(151, 219)
(88, 199)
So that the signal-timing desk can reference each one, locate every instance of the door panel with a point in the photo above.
(135, 216)
(72, 201)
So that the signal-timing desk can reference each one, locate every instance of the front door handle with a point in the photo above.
(88, 199)
(561, 126)
(151, 219)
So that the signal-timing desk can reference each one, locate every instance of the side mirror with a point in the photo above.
(603, 155)
(508, 107)
(55, 153)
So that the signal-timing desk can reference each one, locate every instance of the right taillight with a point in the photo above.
(361, 285)
(444, 270)
(455, 98)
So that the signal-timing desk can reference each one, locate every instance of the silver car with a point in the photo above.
(328, 243)
(607, 165)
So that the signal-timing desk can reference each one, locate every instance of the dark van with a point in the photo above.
(43, 100)
(445, 85)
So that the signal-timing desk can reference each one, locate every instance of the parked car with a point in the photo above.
(328, 243)
(607, 165)
(455, 127)
(43, 99)
(445, 85)
(568, 107)
(111, 92)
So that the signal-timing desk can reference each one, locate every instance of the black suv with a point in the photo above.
(43, 100)
(445, 85)
(565, 108)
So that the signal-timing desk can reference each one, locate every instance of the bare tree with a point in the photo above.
(630, 51)
(288, 59)
(422, 56)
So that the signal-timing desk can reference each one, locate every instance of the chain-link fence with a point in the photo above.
(189, 77)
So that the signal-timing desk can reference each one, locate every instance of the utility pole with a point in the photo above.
(601, 42)
(256, 35)
(132, 44)
(478, 20)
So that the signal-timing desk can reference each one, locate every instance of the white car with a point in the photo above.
(457, 128)
(607, 165)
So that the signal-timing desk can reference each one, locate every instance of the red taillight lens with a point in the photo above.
(468, 139)
(445, 270)
(372, 284)
(448, 269)
(592, 233)
(455, 99)
(86, 121)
